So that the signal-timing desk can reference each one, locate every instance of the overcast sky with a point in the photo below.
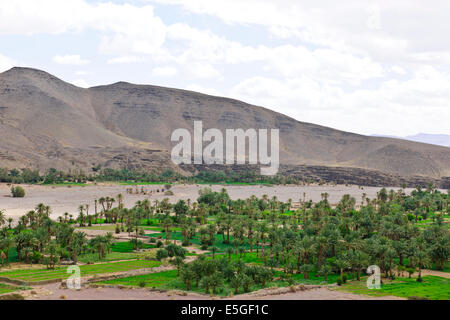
(370, 67)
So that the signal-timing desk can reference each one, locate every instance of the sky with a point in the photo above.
(369, 67)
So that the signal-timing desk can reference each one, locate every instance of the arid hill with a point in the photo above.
(46, 122)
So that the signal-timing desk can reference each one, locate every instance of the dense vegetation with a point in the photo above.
(54, 176)
(251, 243)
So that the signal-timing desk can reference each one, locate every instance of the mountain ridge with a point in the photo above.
(46, 122)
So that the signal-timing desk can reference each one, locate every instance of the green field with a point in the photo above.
(112, 256)
(160, 229)
(143, 183)
(65, 184)
(33, 275)
(153, 280)
(108, 227)
(128, 246)
(250, 258)
(5, 288)
(167, 280)
(432, 287)
(196, 240)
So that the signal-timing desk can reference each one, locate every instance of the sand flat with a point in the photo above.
(64, 199)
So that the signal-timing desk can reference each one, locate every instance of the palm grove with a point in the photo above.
(402, 234)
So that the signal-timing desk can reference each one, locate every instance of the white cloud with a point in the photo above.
(378, 66)
(380, 29)
(398, 70)
(166, 71)
(6, 63)
(202, 70)
(125, 59)
(80, 83)
(70, 60)
(125, 28)
(83, 73)
(421, 103)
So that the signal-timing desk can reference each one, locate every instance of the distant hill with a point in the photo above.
(436, 139)
(46, 122)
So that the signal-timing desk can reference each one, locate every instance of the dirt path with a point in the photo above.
(427, 272)
(55, 292)
(314, 294)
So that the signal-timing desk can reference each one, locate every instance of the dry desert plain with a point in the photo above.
(63, 199)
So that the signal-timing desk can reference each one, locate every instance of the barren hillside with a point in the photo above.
(46, 122)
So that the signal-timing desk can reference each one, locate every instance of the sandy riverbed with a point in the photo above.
(64, 199)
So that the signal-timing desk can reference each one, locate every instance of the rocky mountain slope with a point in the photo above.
(46, 122)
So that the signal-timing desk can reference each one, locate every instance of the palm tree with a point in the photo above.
(102, 203)
(166, 224)
(2, 218)
(236, 282)
(6, 242)
(422, 259)
(325, 271)
(187, 275)
(213, 249)
(77, 244)
(359, 259)
(229, 252)
(342, 264)
(178, 262)
(10, 221)
(216, 281)
(320, 245)
(81, 215)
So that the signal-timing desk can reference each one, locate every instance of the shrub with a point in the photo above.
(13, 296)
(117, 228)
(159, 244)
(290, 281)
(142, 284)
(339, 282)
(37, 256)
(161, 254)
(410, 271)
(18, 192)
(344, 278)
(417, 298)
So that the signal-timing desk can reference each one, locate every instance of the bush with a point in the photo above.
(142, 284)
(152, 240)
(161, 254)
(344, 278)
(159, 244)
(410, 271)
(18, 192)
(339, 282)
(37, 256)
(13, 296)
(417, 298)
